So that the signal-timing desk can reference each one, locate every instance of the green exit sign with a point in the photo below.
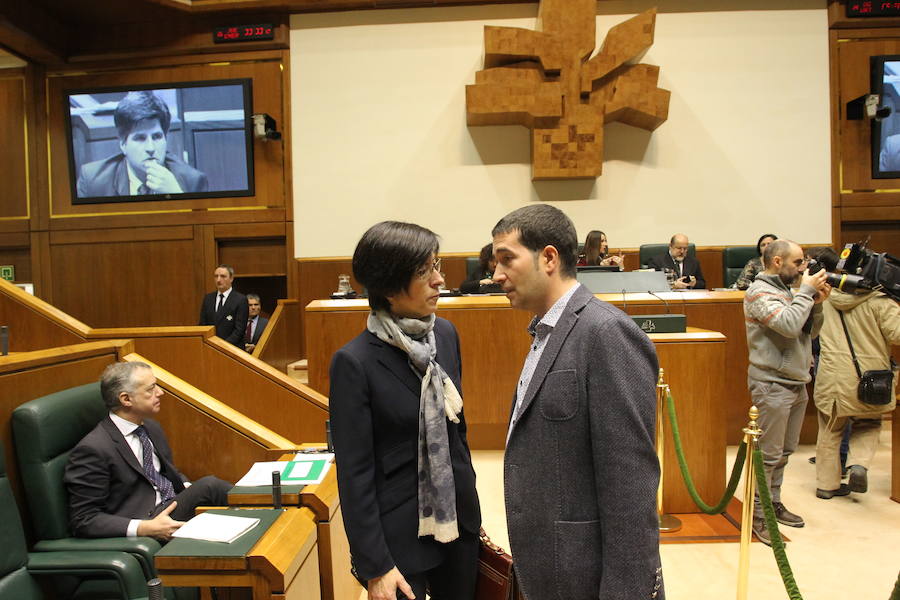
(8, 272)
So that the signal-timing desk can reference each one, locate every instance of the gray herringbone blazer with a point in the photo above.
(580, 469)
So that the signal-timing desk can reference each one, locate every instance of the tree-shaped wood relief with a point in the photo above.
(545, 80)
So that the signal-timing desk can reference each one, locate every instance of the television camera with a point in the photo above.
(862, 269)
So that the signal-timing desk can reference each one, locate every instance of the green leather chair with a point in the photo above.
(733, 260)
(75, 572)
(44, 432)
(647, 251)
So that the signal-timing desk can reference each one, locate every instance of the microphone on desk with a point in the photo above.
(328, 442)
(624, 303)
(155, 589)
(276, 489)
(668, 311)
(4, 340)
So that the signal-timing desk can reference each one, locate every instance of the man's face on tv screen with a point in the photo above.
(145, 143)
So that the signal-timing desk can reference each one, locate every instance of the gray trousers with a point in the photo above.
(781, 409)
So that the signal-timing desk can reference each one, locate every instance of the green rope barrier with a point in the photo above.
(896, 594)
(784, 567)
(686, 475)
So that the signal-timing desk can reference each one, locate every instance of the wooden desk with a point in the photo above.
(494, 345)
(282, 565)
(334, 550)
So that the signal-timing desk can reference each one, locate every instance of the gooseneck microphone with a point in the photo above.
(668, 311)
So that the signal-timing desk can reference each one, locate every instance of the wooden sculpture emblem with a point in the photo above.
(545, 81)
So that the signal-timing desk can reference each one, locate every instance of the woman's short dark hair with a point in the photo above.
(760, 241)
(485, 257)
(387, 257)
(542, 225)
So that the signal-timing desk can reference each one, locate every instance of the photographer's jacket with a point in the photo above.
(873, 321)
(780, 324)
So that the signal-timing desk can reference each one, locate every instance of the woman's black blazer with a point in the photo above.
(374, 405)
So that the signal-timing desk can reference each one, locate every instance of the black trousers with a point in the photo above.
(455, 577)
(206, 491)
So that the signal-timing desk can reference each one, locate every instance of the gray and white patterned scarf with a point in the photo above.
(438, 399)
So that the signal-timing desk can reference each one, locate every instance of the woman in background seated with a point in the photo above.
(595, 252)
(405, 476)
(754, 266)
(481, 281)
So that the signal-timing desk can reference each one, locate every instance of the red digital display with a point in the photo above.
(872, 8)
(244, 33)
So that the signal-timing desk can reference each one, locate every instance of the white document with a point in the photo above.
(216, 528)
(305, 469)
(261, 473)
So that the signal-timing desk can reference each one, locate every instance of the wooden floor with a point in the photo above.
(700, 528)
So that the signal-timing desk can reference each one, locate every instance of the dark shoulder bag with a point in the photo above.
(875, 387)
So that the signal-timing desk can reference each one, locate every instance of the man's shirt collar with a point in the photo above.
(546, 323)
(123, 425)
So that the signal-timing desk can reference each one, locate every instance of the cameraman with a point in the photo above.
(873, 325)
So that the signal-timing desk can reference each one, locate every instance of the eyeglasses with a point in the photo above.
(425, 272)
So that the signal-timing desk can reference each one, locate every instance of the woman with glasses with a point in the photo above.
(405, 473)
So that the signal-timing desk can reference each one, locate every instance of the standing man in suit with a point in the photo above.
(121, 477)
(580, 469)
(687, 268)
(226, 308)
(255, 323)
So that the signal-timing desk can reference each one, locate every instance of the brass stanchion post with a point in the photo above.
(667, 523)
(751, 435)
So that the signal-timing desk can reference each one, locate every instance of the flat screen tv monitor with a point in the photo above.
(886, 132)
(168, 141)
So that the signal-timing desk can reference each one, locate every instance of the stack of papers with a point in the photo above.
(305, 469)
(211, 527)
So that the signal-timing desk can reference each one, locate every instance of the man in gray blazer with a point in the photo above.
(580, 469)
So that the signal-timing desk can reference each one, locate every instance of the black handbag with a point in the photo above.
(875, 387)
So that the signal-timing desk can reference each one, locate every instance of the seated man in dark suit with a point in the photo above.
(121, 477)
(686, 268)
(255, 323)
(144, 166)
(226, 308)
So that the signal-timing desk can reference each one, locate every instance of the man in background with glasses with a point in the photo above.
(781, 321)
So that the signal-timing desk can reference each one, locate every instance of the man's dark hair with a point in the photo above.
(117, 378)
(777, 248)
(137, 106)
(760, 241)
(387, 257)
(826, 256)
(228, 268)
(542, 225)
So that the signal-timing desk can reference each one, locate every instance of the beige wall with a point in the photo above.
(379, 131)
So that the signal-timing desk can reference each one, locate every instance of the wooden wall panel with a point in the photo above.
(861, 206)
(13, 148)
(203, 445)
(125, 283)
(268, 88)
(280, 344)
